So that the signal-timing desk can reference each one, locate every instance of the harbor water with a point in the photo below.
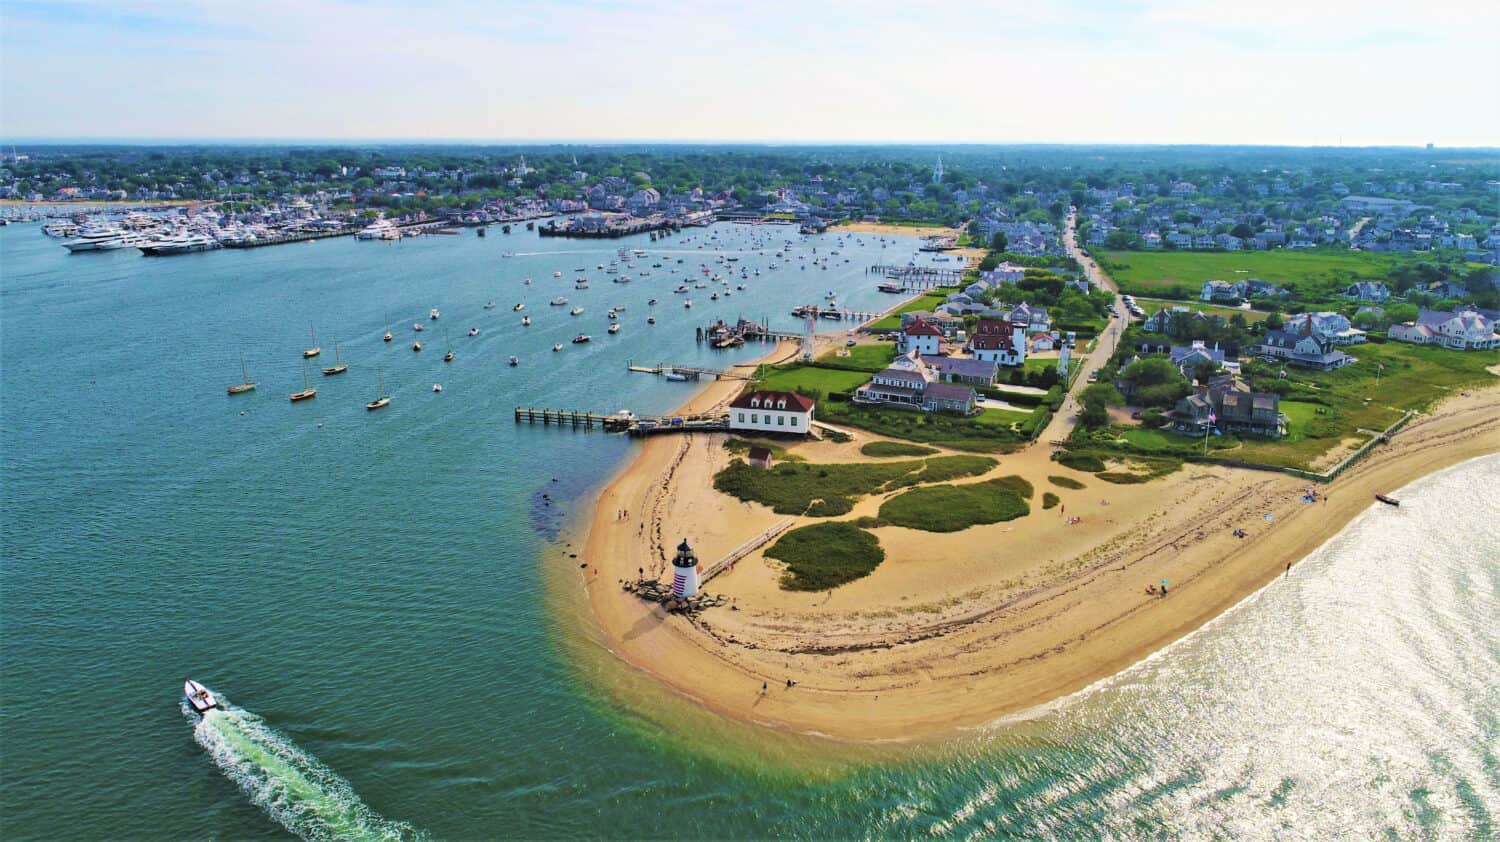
(386, 599)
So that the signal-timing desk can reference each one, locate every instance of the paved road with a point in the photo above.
(1062, 422)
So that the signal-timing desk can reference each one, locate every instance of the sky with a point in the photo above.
(1282, 72)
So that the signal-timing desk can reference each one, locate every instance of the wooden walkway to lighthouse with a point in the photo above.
(745, 549)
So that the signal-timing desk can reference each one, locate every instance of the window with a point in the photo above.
(794, 420)
(742, 417)
(781, 420)
(753, 419)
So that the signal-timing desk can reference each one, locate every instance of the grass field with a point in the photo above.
(926, 302)
(806, 379)
(1151, 305)
(1311, 274)
(792, 488)
(869, 357)
(990, 432)
(826, 555)
(952, 508)
(896, 448)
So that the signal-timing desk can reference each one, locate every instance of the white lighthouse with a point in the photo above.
(684, 572)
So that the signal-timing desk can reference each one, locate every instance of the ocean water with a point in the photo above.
(386, 598)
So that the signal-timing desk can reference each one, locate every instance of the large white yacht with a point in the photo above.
(380, 229)
(98, 236)
(180, 243)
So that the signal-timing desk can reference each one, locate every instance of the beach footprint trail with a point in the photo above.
(293, 787)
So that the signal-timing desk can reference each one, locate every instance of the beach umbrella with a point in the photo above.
(1165, 582)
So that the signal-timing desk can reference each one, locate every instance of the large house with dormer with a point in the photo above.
(1368, 291)
(1304, 350)
(1000, 342)
(1335, 326)
(1223, 406)
(1464, 330)
(912, 382)
(772, 412)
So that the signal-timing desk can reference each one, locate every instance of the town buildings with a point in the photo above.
(912, 382)
(1464, 330)
(1001, 342)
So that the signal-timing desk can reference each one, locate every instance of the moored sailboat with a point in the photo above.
(245, 384)
(381, 399)
(314, 350)
(338, 367)
(307, 391)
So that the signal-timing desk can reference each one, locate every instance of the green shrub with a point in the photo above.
(1066, 482)
(868, 522)
(1016, 484)
(1123, 477)
(1086, 462)
(896, 448)
(1050, 500)
(837, 436)
(951, 508)
(825, 555)
(791, 488)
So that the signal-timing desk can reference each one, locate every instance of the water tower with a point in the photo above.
(684, 572)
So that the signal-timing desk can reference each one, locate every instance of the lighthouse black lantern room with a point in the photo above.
(685, 572)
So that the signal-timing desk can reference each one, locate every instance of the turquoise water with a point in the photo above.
(383, 595)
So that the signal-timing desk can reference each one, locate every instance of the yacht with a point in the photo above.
(380, 229)
(96, 237)
(183, 243)
(60, 228)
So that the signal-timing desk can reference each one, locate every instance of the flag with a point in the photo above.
(1382, 366)
(1212, 418)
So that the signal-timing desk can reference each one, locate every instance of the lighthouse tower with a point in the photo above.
(684, 572)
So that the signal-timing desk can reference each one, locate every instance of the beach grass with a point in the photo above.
(1085, 462)
(823, 556)
(986, 433)
(952, 508)
(1050, 500)
(1066, 482)
(823, 490)
(896, 448)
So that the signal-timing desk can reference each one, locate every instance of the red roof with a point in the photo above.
(921, 328)
(991, 342)
(993, 327)
(769, 400)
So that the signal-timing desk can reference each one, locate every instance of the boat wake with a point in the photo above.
(300, 793)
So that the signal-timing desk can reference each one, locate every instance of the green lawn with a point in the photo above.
(926, 302)
(805, 379)
(1151, 305)
(896, 448)
(990, 432)
(870, 357)
(1001, 417)
(1309, 273)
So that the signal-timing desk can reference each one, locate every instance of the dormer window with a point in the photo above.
(781, 404)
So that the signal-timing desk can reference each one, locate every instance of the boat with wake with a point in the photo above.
(199, 698)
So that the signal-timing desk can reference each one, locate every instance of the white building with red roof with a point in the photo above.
(920, 336)
(1000, 342)
(772, 412)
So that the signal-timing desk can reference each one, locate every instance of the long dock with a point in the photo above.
(746, 548)
(572, 418)
(305, 236)
(918, 277)
(690, 371)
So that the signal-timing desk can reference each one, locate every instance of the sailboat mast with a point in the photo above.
(244, 375)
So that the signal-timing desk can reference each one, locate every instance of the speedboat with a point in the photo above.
(581, 338)
(576, 311)
(490, 306)
(613, 315)
(557, 274)
(417, 326)
(473, 331)
(514, 362)
(557, 347)
(688, 304)
(437, 387)
(525, 321)
(432, 314)
(416, 346)
(651, 303)
(528, 282)
(200, 698)
(559, 301)
(614, 328)
(518, 308)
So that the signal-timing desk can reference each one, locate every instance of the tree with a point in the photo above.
(1242, 230)
(999, 241)
(1274, 322)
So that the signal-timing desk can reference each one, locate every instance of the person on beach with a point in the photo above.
(764, 688)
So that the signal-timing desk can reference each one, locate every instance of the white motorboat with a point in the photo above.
(560, 301)
(557, 347)
(514, 361)
(433, 314)
(198, 697)
(525, 321)
(614, 328)
(490, 306)
(473, 331)
(518, 308)
(437, 387)
(576, 311)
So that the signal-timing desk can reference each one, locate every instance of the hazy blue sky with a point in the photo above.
(1149, 71)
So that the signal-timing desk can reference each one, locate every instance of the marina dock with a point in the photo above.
(623, 422)
(688, 372)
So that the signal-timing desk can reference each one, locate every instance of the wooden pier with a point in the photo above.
(918, 278)
(573, 418)
(691, 372)
(300, 237)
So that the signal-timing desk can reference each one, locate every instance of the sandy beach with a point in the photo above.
(954, 630)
